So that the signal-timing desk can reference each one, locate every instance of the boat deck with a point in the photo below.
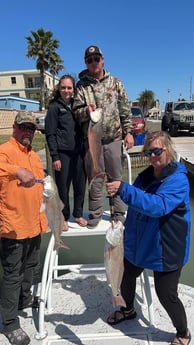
(79, 302)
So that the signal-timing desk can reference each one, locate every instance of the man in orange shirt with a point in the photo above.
(22, 220)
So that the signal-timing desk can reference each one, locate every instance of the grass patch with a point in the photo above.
(37, 144)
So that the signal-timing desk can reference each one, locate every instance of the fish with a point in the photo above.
(53, 208)
(94, 141)
(113, 260)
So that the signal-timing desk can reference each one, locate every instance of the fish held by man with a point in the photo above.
(54, 206)
(94, 141)
(113, 260)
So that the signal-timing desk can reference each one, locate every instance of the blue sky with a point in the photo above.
(146, 44)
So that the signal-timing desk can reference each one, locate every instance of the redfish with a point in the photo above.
(113, 260)
(95, 143)
(54, 206)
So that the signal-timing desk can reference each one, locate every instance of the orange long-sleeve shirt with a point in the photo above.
(20, 208)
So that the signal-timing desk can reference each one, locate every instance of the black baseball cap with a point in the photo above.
(91, 50)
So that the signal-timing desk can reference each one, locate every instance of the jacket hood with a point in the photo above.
(84, 75)
(147, 175)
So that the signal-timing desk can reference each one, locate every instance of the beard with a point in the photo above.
(26, 142)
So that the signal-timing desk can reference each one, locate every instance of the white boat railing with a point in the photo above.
(51, 267)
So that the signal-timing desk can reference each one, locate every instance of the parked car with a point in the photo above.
(178, 115)
(138, 120)
(40, 123)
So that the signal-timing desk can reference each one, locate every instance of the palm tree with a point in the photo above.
(42, 46)
(55, 65)
(146, 100)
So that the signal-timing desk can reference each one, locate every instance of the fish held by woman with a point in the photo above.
(113, 260)
(54, 206)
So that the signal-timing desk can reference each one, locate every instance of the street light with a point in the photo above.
(168, 94)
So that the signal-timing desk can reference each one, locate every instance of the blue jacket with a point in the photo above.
(157, 228)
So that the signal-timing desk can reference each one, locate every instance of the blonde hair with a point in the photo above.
(165, 140)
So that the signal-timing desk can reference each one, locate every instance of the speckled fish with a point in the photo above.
(113, 260)
(54, 206)
(94, 141)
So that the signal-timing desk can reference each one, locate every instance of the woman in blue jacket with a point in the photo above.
(157, 231)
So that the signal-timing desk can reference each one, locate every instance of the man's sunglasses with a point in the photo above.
(30, 129)
(157, 152)
(93, 59)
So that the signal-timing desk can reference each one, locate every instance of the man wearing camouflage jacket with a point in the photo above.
(98, 91)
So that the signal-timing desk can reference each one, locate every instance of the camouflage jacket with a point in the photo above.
(108, 94)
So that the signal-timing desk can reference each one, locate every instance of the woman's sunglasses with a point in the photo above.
(157, 152)
(93, 59)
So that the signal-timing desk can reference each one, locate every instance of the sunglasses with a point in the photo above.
(23, 127)
(157, 152)
(93, 59)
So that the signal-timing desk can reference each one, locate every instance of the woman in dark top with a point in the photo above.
(65, 142)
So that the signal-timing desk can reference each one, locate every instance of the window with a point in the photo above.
(13, 80)
(182, 106)
(22, 107)
(16, 94)
(37, 82)
(30, 82)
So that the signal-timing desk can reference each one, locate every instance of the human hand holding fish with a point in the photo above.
(26, 177)
(91, 108)
(112, 187)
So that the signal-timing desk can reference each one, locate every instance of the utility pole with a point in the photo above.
(191, 96)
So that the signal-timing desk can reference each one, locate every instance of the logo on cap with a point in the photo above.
(91, 50)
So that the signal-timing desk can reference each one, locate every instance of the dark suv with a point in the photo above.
(178, 116)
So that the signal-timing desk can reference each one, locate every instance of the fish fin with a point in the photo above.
(118, 301)
(60, 244)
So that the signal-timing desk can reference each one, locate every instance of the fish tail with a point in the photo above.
(100, 174)
(118, 301)
(60, 244)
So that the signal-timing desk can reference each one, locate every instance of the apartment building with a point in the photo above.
(24, 83)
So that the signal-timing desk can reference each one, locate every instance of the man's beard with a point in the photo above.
(26, 142)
